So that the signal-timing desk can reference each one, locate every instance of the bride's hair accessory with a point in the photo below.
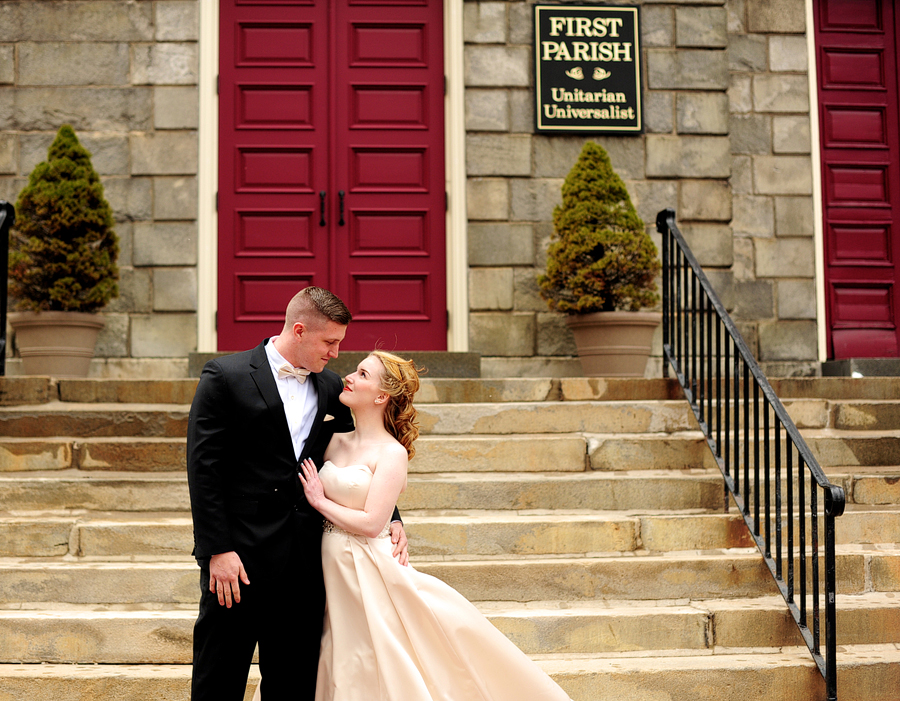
(400, 380)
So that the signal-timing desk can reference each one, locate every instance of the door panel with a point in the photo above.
(331, 167)
(858, 113)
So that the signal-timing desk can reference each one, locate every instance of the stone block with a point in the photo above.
(164, 153)
(496, 154)
(782, 175)
(753, 299)
(708, 200)
(487, 110)
(86, 109)
(688, 156)
(163, 335)
(175, 289)
(776, 16)
(500, 244)
(498, 66)
(785, 258)
(687, 69)
(526, 295)
(701, 26)
(94, 20)
(702, 113)
(777, 92)
(649, 197)
(750, 333)
(7, 64)
(796, 299)
(553, 335)
(751, 133)
(135, 289)
(73, 63)
(747, 53)
(487, 198)
(722, 282)
(490, 289)
(9, 154)
(177, 20)
(112, 341)
(736, 10)
(176, 108)
(534, 199)
(125, 232)
(741, 175)
(484, 22)
(166, 243)
(165, 64)
(520, 23)
(740, 94)
(794, 216)
(744, 257)
(109, 152)
(502, 333)
(788, 340)
(554, 156)
(659, 109)
(521, 109)
(657, 26)
(790, 134)
(174, 198)
(711, 243)
(787, 53)
(7, 107)
(753, 216)
(130, 198)
(10, 188)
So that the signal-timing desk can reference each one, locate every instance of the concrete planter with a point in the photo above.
(614, 344)
(59, 344)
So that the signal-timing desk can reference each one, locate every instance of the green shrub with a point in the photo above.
(601, 258)
(63, 248)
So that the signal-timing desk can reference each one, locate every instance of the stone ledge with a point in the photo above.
(862, 367)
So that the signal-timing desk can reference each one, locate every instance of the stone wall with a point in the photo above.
(124, 75)
(726, 143)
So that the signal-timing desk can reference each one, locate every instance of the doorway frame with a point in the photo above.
(455, 234)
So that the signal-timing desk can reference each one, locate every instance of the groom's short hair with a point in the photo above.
(316, 302)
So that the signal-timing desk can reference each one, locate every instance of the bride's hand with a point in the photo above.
(312, 485)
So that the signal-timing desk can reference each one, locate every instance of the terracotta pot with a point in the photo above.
(59, 344)
(614, 344)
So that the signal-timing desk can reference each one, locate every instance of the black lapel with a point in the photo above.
(265, 383)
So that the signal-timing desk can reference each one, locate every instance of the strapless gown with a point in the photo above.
(395, 634)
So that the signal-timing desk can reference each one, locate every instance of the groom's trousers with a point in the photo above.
(283, 612)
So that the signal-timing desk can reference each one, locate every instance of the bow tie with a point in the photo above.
(288, 370)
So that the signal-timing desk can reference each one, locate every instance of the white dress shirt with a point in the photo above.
(299, 399)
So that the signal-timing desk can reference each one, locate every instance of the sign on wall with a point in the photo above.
(587, 69)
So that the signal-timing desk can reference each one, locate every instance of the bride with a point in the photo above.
(392, 633)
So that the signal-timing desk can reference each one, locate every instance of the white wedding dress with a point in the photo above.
(394, 634)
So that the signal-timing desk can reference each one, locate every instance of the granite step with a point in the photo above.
(733, 573)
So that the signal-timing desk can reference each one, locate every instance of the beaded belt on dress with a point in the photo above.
(329, 527)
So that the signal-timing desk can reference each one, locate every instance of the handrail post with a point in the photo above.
(7, 218)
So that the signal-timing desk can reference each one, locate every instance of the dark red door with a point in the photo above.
(331, 167)
(858, 119)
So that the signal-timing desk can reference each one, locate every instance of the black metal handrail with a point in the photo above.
(723, 383)
(7, 218)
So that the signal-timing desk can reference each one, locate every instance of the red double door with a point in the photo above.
(331, 167)
(857, 67)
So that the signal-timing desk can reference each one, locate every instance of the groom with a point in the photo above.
(255, 416)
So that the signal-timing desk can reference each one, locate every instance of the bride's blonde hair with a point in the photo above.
(400, 380)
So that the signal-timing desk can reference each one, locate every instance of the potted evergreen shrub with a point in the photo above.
(62, 261)
(601, 269)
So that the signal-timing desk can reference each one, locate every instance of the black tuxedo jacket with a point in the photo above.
(242, 473)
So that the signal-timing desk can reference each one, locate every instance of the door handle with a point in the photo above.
(341, 197)
(322, 208)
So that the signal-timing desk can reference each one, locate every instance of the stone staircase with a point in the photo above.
(583, 516)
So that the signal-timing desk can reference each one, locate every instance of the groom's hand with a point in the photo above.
(226, 572)
(401, 544)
